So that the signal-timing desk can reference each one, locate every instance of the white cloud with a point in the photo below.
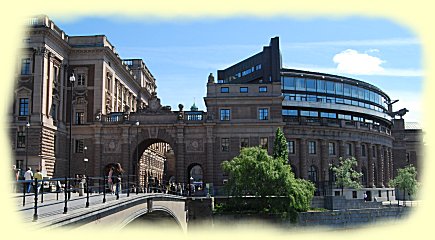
(352, 62)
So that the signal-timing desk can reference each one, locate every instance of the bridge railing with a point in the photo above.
(60, 190)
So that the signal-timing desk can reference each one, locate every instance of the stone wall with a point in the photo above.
(349, 218)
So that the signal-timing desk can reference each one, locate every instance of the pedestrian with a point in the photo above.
(38, 176)
(28, 176)
(110, 180)
(116, 177)
(365, 196)
(15, 177)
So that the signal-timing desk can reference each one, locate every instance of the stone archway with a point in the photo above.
(148, 156)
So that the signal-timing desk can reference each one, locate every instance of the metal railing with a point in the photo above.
(88, 187)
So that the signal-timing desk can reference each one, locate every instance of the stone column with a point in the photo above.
(180, 164)
(391, 163)
(380, 159)
(303, 159)
(387, 166)
(209, 166)
(370, 167)
(341, 149)
(357, 154)
(324, 164)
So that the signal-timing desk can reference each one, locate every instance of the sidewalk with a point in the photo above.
(52, 208)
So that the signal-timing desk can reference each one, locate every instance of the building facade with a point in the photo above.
(118, 116)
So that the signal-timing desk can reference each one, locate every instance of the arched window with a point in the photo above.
(312, 174)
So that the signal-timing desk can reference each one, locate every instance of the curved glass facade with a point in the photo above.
(333, 98)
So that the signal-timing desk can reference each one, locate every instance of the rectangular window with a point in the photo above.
(79, 145)
(288, 83)
(81, 79)
(309, 113)
(25, 66)
(331, 148)
(225, 114)
(263, 143)
(225, 90)
(291, 147)
(225, 144)
(374, 151)
(330, 87)
(243, 89)
(311, 147)
(311, 85)
(347, 90)
(289, 112)
(363, 150)
(262, 89)
(300, 84)
(80, 118)
(244, 142)
(24, 107)
(321, 86)
(21, 140)
(263, 114)
(349, 149)
(339, 88)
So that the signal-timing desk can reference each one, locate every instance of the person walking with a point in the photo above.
(28, 176)
(38, 176)
(116, 178)
(15, 177)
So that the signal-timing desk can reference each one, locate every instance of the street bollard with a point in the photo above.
(81, 189)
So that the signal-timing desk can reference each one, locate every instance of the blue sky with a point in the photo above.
(181, 53)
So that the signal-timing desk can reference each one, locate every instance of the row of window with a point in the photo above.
(312, 147)
(26, 70)
(330, 87)
(261, 89)
(332, 115)
(225, 114)
(244, 142)
(240, 74)
(325, 99)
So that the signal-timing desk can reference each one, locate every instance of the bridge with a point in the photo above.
(52, 210)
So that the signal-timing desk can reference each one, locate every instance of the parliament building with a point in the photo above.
(75, 98)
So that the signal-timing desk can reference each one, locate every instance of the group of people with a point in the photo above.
(114, 174)
(29, 178)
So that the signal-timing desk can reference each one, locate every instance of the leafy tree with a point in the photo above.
(406, 180)
(345, 175)
(254, 173)
(280, 149)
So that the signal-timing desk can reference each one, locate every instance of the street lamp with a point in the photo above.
(137, 155)
(27, 143)
(190, 185)
(72, 79)
(85, 159)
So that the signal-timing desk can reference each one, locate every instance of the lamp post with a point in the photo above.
(27, 143)
(72, 79)
(190, 185)
(137, 155)
(129, 163)
(85, 159)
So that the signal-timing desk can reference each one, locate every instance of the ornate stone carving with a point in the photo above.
(112, 146)
(195, 145)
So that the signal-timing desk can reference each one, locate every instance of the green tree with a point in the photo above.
(345, 175)
(280, 148)
(254, 173)
(406, 180)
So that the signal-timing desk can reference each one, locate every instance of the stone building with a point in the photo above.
(118, 116)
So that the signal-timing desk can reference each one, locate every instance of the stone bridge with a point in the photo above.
(115, 214)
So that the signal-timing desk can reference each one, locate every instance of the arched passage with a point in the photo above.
(153, 163)
(195, 178)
